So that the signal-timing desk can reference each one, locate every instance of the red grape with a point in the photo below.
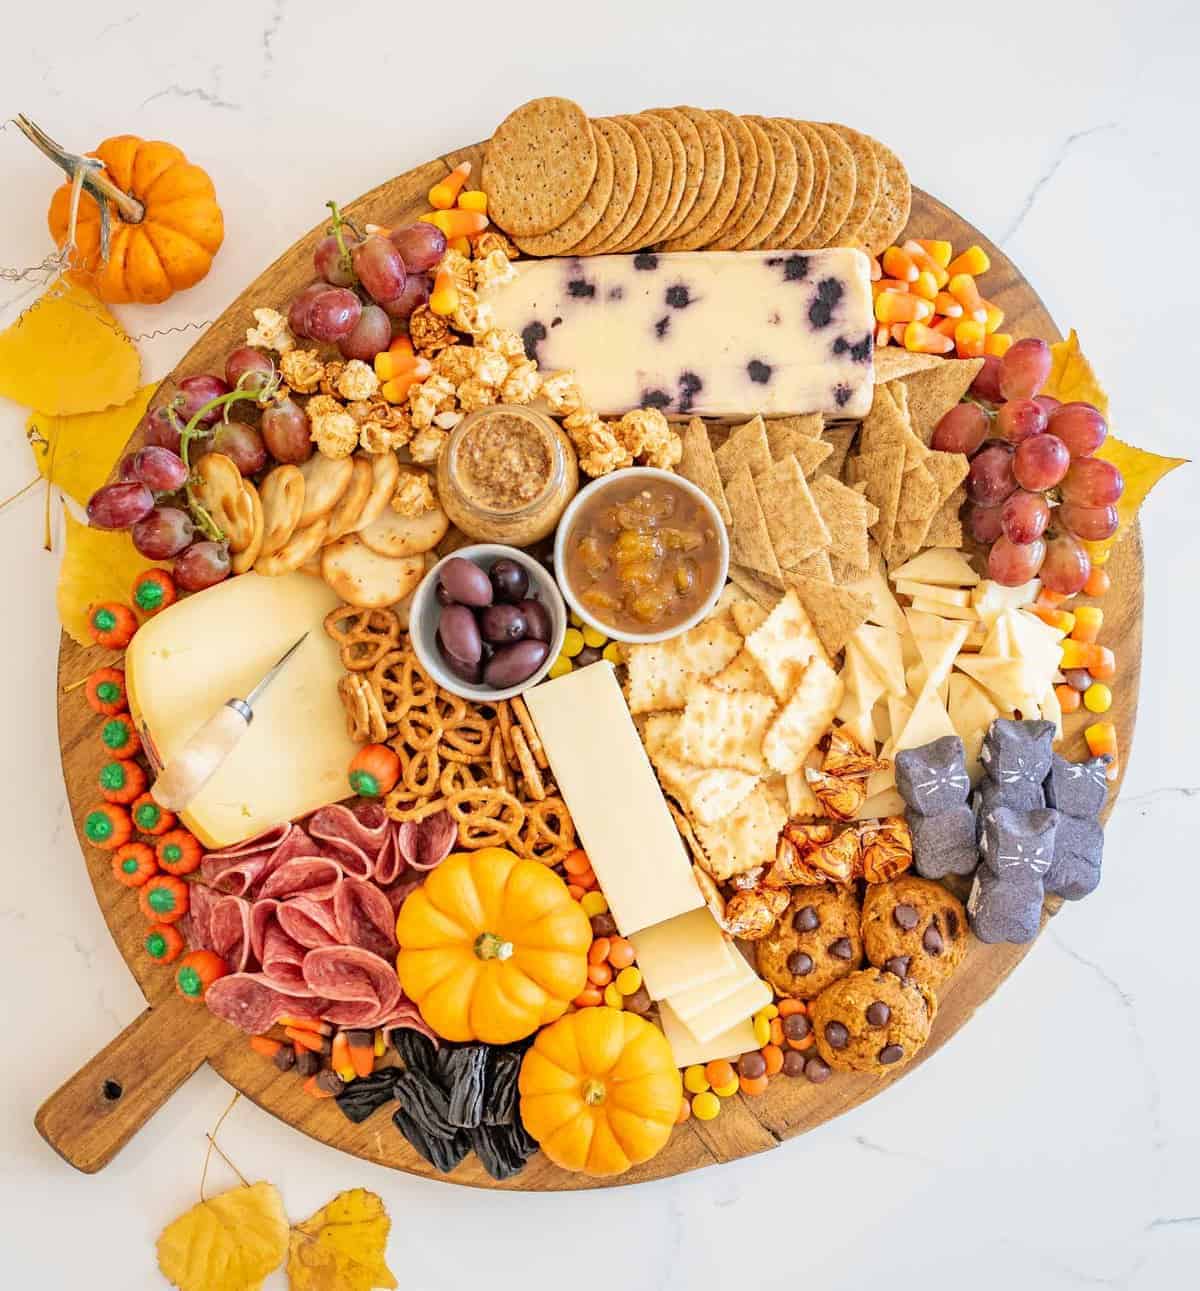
(372, 333)
(301, 307)
(379, 267)
(985, 524)
(415, 294)
(962, 430)
(421, 245)
(333, 314)
(1080, 427)
(1024, 369)
(990, 479)
(327, 258)
(196, 392)
(242, 444)
(1024, 516)
(118, 506)
(987, 380)
(1092, 482)
(285, 431)
(162, 426)
(201, 565)
(1018, 419)
(1048, 402)
(1066, 567)
(249, 369)
(164, 533)
(157, 468)
(1093, 524)
(1011, 564)
(1039, 463)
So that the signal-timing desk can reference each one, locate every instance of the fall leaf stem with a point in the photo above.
(214, 1146)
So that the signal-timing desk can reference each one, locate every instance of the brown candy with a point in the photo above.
(799, 964)
(905, 916)
(752, 1065)
(817, 1070)
(639, 1002)
(890, 1053)
(878, 1014)
(604, 925)
(793, 1063)
(842, 949)
(836, 1035)
(796, 1026)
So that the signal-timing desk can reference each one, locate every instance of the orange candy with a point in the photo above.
(1098, 582)
(1069, 699)
(720, 1073)
(773, 1057)
(577, 862)
(897, 307)
(899, 264)
(599, 974)
(621, 952)
(598, 951)
(924, 340)
(753, 1086)
(589, 997)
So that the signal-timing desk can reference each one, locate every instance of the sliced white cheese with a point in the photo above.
(1003, 679)
(972, 712)
(965, 612)
(939, 640)
(887, 803)
(695, 1000)
(614, 799)
(883, 649)
(688, 1051)
(885, 610)
(931, 592)
(862, 727)
(945, 566)
(989, 597)
(720, 1016)
(681, 953)
(929, 721)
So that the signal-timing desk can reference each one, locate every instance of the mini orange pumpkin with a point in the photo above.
(169, 244)
(600, 1091)
(491, 947)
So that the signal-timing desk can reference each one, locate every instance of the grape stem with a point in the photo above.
(344, 261)
(193, 430)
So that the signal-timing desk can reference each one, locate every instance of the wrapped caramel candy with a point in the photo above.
(751, 914)
(845, 756)
(839, 796)
(885, 847)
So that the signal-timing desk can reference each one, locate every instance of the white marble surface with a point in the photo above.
(1055, 1142)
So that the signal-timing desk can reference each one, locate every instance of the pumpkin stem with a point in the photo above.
(344, 262)
(489, 946)
(594, 1092)
(96, 181)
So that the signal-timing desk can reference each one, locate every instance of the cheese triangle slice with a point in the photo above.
(883, 649)
(929, 721)
(939, 641)
(1003, 679)
(862, 682)
(884, 608)
(941, 565)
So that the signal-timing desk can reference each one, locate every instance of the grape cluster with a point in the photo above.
(1037, 491)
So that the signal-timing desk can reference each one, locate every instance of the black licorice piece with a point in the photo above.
(464, 1071)
(503, 1150)
(500, 1091)
(442, 1154)
(416, 1049)
(366, 1095)
(426, 1102)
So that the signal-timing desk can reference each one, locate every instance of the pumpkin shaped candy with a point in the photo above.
(600, 1091)
(491, 947)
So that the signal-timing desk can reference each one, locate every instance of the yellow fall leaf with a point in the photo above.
(1072, 378)
(341, 1247)
(67, 354)
(97, 565)
(78, 453)
(228, 1243)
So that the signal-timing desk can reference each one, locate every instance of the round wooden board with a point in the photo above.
(100, 1108)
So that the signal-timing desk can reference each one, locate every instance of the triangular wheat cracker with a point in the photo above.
(932, 393)
(749, 538)
(746, 446)
(699, 465)
(793, 521)
(835, 611)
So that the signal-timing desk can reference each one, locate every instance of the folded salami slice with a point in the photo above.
(389, 864)
(229, 923)
(408, 1015)
(425, 844)
(315, 876)
(251, 1003)
(356, 836)
(309, 922)
(198, 929)
(236, 870)
(283, 962)
(362, 989)
(364, 918)
(262, 917)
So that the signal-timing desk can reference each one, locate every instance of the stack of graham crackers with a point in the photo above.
(688, 179)
(803, 501)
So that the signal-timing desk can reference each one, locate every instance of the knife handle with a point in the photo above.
(196, 763)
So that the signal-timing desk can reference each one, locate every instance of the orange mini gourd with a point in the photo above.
(491, 947)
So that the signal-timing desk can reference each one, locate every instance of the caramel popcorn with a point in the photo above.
(271, 332)
(490, 367)
(459, 268)
(456, 363)
(302, 370)
(474, 394)
(599, 450)
(503, 340)
(493, 270)
(647, 434)
(522, 383)
(491, 241)
(435, 394)
(357, 380)
(331, 427)
(470, 315)
(448, 420)
(427, 444)
(561, 393)
(428, 331)
(413, 495)
(385, 428)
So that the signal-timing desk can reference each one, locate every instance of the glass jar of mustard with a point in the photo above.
(507, 474)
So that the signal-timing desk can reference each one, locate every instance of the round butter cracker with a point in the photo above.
(867, 189)
(786, 172)
(624, 183)
(654, 135)
(798, 207)
(643, 169)
(679, 177)
(567, 236)
(698, 188)
(727, 194)
(796, 236)
(890, 213)
(539, 166)
(760, 195)
(839, 195)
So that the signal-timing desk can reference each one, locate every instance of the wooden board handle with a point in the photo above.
(90, 1118)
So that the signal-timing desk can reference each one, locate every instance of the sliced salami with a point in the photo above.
(362, 988)
(262, 917)
(230, 931)
(389, 864)
(235, 870)
(201, 900)
(408, 1015)
(283, 962)
(425, 844)
(309, 922)
(356, 836)
(297, 844)
(251, 1003)
(364, 918)
(315, 876)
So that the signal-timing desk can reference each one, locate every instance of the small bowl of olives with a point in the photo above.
(487, 622)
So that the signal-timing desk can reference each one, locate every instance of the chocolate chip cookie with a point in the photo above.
(816, 940)
(872, 1021)
(915, 928)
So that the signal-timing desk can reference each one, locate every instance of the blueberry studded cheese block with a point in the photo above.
(708, 333)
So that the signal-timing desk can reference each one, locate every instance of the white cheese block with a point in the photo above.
(932, 592)
(682, 953)
(750, 996)
(965, 612)
(693, 1001)
(216, 645)
(706, 333)
(619, 811)
(688, 1051)
(945, 566)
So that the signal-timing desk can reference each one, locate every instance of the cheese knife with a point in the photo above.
(198, 761)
